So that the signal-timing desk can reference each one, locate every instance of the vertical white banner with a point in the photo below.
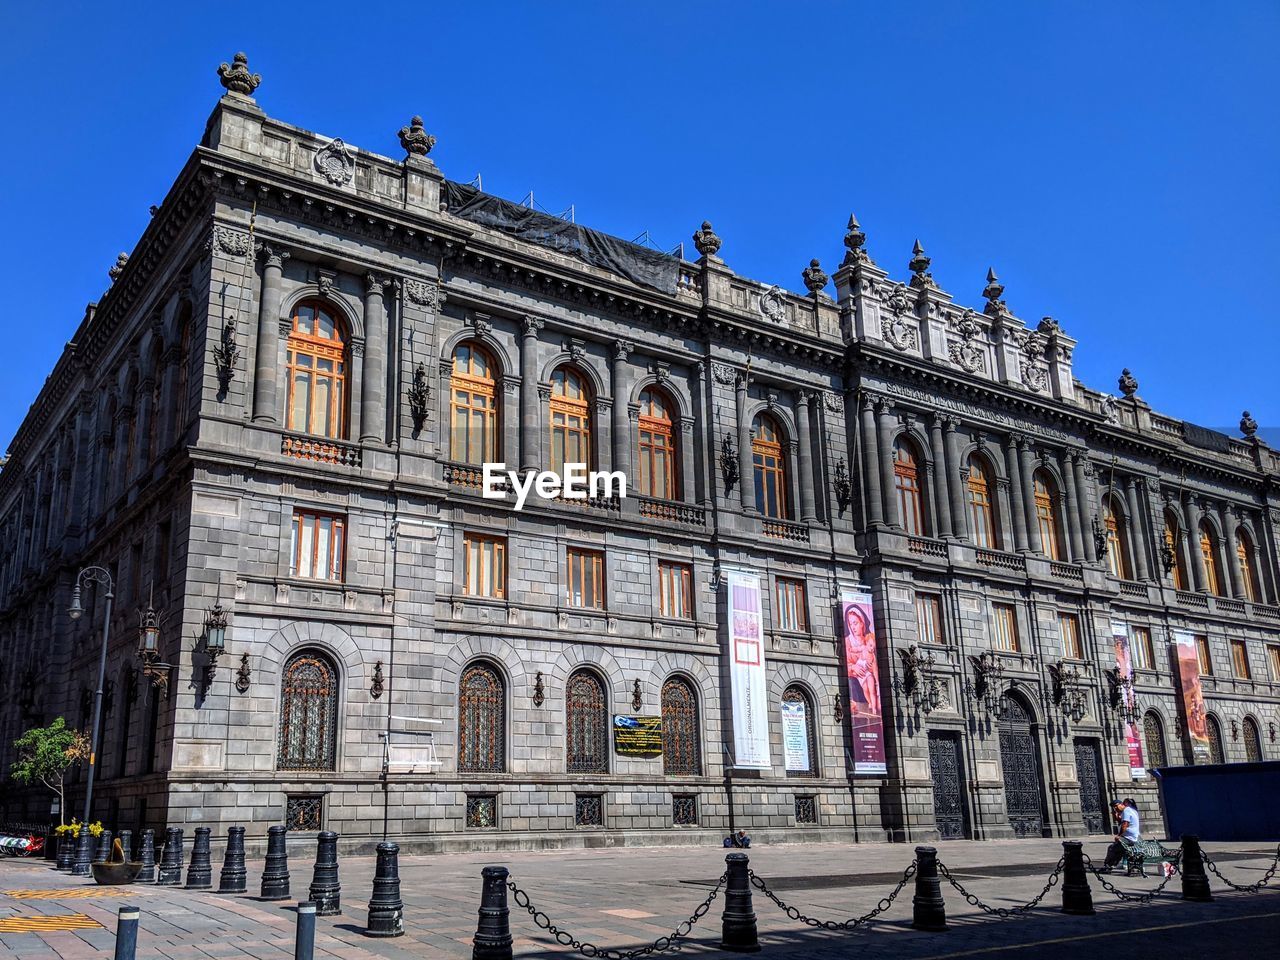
(746, 673)
(795, 737)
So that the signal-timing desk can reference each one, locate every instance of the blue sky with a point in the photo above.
(1117, 167)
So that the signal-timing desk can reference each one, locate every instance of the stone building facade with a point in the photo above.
(279, 410)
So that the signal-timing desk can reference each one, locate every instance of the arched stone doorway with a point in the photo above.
(1020, 758)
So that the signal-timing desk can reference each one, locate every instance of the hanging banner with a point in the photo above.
(1192, 697)
(637, 736)
(1124, 665)
(866, 717)
(746, 677)
(795, 736)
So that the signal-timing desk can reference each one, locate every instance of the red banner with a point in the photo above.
(1192, 697)
(1124, 666)
(866, 714)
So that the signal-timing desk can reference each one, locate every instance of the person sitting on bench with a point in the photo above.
(1129, 832)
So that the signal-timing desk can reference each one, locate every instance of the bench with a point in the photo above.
(1139, 854)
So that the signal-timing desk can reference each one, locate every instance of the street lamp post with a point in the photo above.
(84, 844)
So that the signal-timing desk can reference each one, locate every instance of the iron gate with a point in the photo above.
(1021, 763)
(1089, 773)
(948, 786)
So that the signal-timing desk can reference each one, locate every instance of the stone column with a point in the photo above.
(884, 449)
(1027, 467)
(1199, 576)
(267, 360)
(804, 400)
(1137, 531)
(943, 478)
(871, 469)
(746, 466)
(621, 422)
(1234, 577)
(1079, 464)
(1017, 508)
(694, 459)
(956, 480)
(1075, 497)
(686, 490)
(530, 431)
(373, 385)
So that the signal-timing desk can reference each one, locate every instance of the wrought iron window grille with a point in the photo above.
(303, 812)
(588, 810)
(806, 810)
(684, 810)
(482, 811)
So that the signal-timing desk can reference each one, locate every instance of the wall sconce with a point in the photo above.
(244, 676)
(419, 397)
(153, 668)
(917, 681)
(717, 578)
(1099, 540)
(225, 355)
(1122, 699)
(1271, 731)
(213, 643)
(637, 700)
(728, 463)
(1235, 729)
(987, 690)
(376, 685)
(842, 485)
(1167, 558)
(539, 690)
(1068, 694)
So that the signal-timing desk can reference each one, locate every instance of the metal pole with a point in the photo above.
(127, 934)
(305, 944)
(84, 847)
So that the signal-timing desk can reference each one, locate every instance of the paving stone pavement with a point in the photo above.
(624, 897)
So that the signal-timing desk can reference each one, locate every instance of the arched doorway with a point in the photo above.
(1020, 758)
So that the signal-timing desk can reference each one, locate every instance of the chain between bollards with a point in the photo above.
(1129, 897)
(127, 933)
(1249, 887)
(884, 904)
(1004, 913)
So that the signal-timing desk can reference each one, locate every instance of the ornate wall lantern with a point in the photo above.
(1121, 696)
(153, 668)
(1068, 691)
(225, 355)
(728, 463)
(842, 485)
(917, 681)
(1099, 540)
(419, 397)
(539, 690)
(1167, 558)
(244, 676)
(212, 643)
(987, 689)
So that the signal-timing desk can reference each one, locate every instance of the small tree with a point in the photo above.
(45, 754)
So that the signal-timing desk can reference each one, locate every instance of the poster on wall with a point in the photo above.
(866, 716)
(795, 736)
(1192, 697)
(637, 736)
(746, 677)
(1124, 666)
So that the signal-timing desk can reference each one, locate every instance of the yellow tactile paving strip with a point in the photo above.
(70, 893)
(47, 923)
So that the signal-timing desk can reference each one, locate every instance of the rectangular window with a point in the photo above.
(586, 579)
(1005, 627)
(482, 811)
(1202, 652)
(160, 567)
(806, 810)
(1240, 659)
(684, 810)
(1273, 661)
(791, 614)
(485, 570)
(1142, 649)
(319, 541)
(304, 812)
(1069, 629)
(588, 810)
(675, 590)
(929, 618)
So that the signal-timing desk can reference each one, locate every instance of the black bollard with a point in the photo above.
(84, 853)
(738, 923)
(200, 872)
(326, 892)
(304, 946)
(275, 874)
(493, 932)
(233, 878)
(928, 912)
(147, 857)
(1076, 898)
(170, 873)
(386, 909)
(1195, 882)
(66, 851)
(127, 934)
(126, 844)
(104, 847)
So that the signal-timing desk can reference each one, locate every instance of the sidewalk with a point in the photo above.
(621, 898)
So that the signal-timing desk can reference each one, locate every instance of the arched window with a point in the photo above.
(155, 415)
(1117, 540)
(482, 720)
(769, 466)
(657, 466)
(681, 752)
(586, 724)
(1212, 569)
(182, 383)
(473, 404)
(1248, 572)
(1153, 740)
(906, 480)
(797, 706)
(1046, 499)
(982, 513)
(1252, 741)
(132, 438)
(308, 713)
(1172, 546)
(317, 359)
(1214, 730)
(570, 419)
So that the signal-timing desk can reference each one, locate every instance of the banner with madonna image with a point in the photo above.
(866, 713)
(1192, 697)
(1124, 670)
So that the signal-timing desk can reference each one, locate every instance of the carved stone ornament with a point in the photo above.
(723, 373)
(992, 293)
(1248, 425)
(894, 326)
(705, 240)
(335, 163)
(637, 699)
(427, 295)
(1128, 383)
(230, 241)
(833, 401)
(378, 684)
(919, 267)
(773, 304)
(1034, 376)
(854, 240)
(118, 268)
(415, 140)
(1110, 409)
(894, 298)
(419, 397)
(236, 78)
(244, 676)
(814, 277)
(966, 352)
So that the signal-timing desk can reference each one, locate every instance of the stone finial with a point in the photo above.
(114, 272)
(814, 278)
(1248, 425)
(705, 240)
(416, 141)
(1049, 327)
(919, 267)
(854, 240)
(992, 292)
(235, 76)
(1128, 383)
